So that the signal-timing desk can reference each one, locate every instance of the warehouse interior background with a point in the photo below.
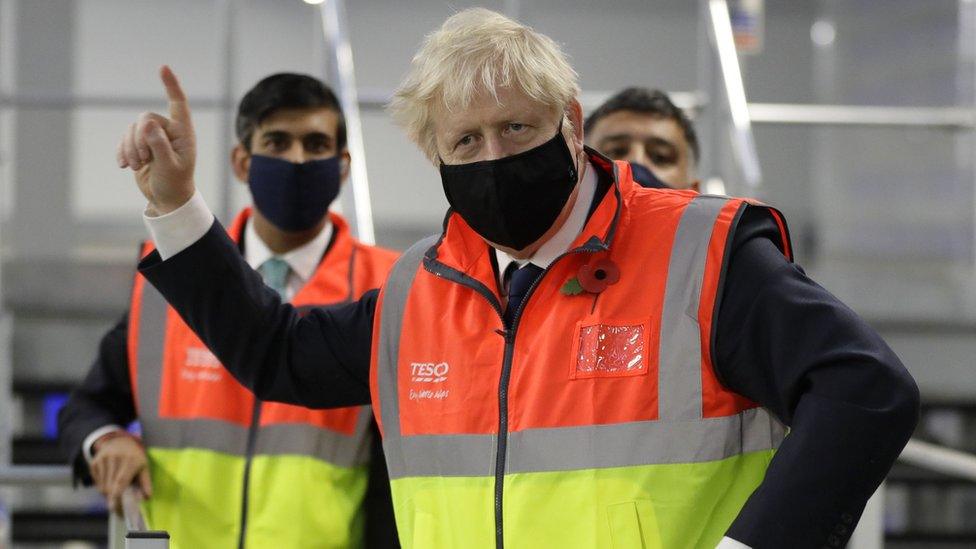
(862, 117)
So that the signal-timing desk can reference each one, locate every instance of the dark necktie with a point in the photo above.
(519, 281)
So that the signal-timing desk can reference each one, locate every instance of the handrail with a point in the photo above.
(129, 531)
(35, 475)
(134, 521)
(939, 459)
(861, 115)
(743, 143)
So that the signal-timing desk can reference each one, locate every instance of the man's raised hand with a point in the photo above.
(162, 151)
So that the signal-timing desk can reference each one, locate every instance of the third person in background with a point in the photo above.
(643, 127)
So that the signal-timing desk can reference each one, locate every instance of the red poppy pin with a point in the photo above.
(593, 277)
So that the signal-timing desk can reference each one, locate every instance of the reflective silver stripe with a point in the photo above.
(308, 440)
(395, 293)
(445, 456)
(206, 434)
(149, 354)
(593, 446)
(639, 443)
(224, 436)
(679, 366)
(273, 440)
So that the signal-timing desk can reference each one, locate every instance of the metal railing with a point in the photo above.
(940, 459)
(870, 530)
(128, 531)
(952, 118)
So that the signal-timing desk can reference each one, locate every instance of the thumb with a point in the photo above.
(145, 483)
(159, 143)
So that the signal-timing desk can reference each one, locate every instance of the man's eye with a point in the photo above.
(466, 140)
(663, 159)
(617, 153)
(317, 147)
(277, 144)
(516, 127)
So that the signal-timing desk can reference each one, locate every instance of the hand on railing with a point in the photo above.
(120, 460)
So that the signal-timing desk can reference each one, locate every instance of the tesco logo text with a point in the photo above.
(429, 372)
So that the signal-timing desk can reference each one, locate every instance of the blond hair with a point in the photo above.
(479, 51)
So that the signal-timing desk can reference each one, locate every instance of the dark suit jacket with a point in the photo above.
(781, 340)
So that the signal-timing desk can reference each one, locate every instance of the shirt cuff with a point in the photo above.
(729, 543)
(86, 446)
(179, 229)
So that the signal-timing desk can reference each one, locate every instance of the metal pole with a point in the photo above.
(334, 24)
(6, 393)
(225, 14)
(742, 141)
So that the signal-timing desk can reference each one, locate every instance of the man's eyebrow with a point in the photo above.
(616, 137)
(319, 135)
(272, 133)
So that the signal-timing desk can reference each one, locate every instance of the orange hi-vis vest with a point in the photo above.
(229, 470)
(593, 420)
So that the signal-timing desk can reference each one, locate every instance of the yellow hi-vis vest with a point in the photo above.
(228, 470)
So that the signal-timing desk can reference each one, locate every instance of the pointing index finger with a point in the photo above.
(179, 110)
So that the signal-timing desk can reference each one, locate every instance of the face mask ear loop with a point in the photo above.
(580, 166)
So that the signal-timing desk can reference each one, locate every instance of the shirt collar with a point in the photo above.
(303, 260)
(564, 237)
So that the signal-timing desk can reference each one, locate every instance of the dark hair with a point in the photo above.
(646, 101)
(285, 91)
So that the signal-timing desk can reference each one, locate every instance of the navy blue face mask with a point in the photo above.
(646, 178)
(294, 197)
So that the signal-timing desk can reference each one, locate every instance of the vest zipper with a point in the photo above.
(252, 435)
(591, 246)
(510, 332)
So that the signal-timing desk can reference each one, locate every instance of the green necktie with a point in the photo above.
(275, 273)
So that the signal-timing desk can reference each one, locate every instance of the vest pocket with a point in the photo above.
(633, 525)
(423, 530)
(610, 350)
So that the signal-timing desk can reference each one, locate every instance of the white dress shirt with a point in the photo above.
(303, 260)
(177, 230)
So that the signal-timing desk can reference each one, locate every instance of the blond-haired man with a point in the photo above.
(575, 361)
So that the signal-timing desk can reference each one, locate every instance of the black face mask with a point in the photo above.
(514, 200)
(294, 197)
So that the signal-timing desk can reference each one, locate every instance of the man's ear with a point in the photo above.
(240, 161)
(575, 113)
(344, 160)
